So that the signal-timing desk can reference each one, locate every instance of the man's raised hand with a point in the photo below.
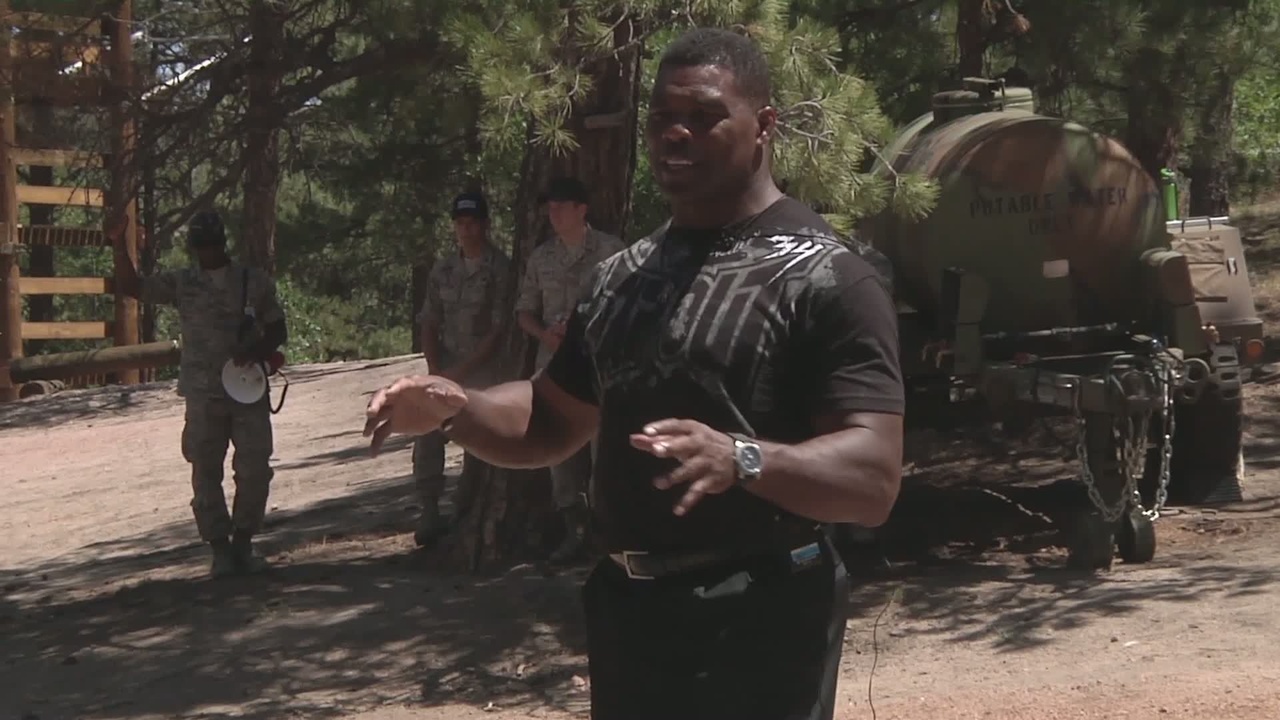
(414, 405)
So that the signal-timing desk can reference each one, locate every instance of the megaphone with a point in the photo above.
(248, 384)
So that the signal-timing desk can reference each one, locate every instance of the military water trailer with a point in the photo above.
(1046, 281)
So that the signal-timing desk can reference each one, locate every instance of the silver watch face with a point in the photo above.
(749, 458)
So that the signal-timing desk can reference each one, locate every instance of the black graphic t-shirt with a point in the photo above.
(757, 328)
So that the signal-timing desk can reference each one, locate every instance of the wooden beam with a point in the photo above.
(10, 271)
(66, 330)
(61, 90)
(65, 286)
(56, 23)
(61, 236)
(36, 195)
(56, 158)
(60, 52)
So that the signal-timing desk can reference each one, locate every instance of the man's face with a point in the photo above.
(469, 230)
(566, 216)
(705, 138)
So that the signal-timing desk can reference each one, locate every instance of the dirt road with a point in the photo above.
(105, 611)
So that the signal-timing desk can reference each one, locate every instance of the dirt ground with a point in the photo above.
(105, 610)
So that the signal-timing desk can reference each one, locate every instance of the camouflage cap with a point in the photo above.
(206, 230)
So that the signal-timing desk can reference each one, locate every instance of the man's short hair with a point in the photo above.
(565, 189)
(727, 49)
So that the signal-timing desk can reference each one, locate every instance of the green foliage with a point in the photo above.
(325, 328)
(370, 166)
(1257, 128)
(532, 62)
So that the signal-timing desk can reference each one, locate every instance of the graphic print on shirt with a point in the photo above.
(720, 312)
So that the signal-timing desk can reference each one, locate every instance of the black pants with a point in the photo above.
(760, 642)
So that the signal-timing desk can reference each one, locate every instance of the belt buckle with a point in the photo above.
(626, 564)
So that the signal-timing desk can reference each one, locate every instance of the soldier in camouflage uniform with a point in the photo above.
(463, 318)
(228, 311)
(553, 281)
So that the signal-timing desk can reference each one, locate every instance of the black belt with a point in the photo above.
(643, 565)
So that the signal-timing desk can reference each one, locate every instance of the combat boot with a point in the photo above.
(246, 559)
(430, 526)
(224, 558)
(575, 530)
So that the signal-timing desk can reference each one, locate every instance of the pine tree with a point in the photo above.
(565, 85)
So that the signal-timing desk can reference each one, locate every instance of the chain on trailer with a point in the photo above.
(1133, 438)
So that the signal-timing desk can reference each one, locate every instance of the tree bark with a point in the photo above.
(606, 126)
(970, 38)
(1211, 154)
(262, 145)
(512, 515)
(1154, 104)
(1152, 136)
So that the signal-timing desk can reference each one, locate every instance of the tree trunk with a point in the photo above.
(970, 38)
(41, 259)
(1152, 136)
(418, 293)
(1154, 107)
(512, 514)
(506, 520)
(1211, 153)
(262, 145)
(606, 126)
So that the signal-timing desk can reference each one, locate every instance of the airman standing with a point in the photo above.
(553, 281)
(463, 318)
(228, 311)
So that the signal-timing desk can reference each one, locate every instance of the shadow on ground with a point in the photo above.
(82, 405)
(346, 618)
(986, 566)
(351, 618)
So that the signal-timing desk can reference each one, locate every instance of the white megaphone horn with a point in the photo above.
(248, 384)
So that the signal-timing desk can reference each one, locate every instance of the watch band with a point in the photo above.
(739, 440)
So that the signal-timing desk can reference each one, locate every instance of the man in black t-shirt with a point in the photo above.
(739, 371)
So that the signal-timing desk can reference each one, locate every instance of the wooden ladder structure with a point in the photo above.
(35, 49)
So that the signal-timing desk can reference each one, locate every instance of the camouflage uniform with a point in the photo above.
(553, 280)
(465, 300)
(208, 304)
(555, 275)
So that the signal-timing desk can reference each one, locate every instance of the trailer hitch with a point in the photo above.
(1132, 382)
(1196, 374)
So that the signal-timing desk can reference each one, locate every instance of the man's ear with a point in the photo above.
(766, 123)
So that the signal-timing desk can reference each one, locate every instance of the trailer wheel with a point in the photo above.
(1136, 539)
(1092, 543)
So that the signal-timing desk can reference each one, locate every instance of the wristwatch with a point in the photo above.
(747, 457)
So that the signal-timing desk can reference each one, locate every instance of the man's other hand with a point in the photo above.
(414, 405)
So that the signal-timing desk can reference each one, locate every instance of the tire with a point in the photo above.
(1207, 443)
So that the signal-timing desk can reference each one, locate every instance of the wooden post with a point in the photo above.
(122, 211)
(40, 257)
(10, 275)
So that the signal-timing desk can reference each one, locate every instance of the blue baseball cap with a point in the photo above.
(471, 204)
